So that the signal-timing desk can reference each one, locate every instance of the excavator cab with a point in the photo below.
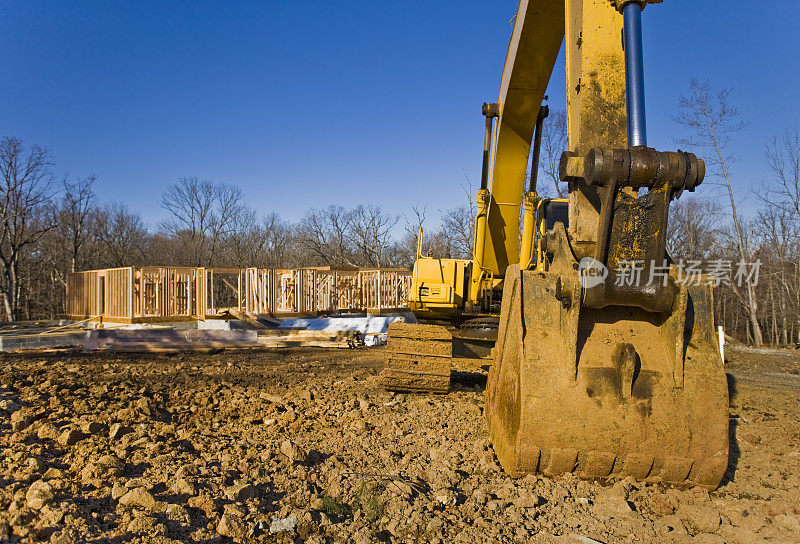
(438, 286)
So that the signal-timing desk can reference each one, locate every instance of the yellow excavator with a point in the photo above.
(605, 363)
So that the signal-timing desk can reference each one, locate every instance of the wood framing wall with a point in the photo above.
(152, 293)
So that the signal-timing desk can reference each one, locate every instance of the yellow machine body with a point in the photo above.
(439, 286)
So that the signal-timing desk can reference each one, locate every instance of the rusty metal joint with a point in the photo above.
(636, 167)
(491, 110)
(619, 5)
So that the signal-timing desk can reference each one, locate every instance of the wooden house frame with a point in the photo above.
(163, 294)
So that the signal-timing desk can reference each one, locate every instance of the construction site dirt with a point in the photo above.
(303, 445)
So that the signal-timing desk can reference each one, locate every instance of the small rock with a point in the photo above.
(118, 430)
(5, 531)
(118, 490)
(302, 393)
(112, 464)
(177, 512)
(279, 525)
(53, 473)
(139, 498)
(445, 497)
(51, 517)
(613, 502)
(231, 526)
(274, 399)
(292, 452)
(94, 427)
(24, 417)
(747, 518)
(363, 536)
(108, 466)
(182, 486)
(670, 526)
(752, 439)
(529, 501)
(47, 430)
(71, 437)
(204, 503)
(435, 525)
(737, 535)
(38, 494)
(242, 492)
(397, 487)
(663, 505)
(142, 524)
(790, 522)
(143, 405)
(234, 510)
(699, 519)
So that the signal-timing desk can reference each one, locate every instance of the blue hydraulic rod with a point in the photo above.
(634, 74)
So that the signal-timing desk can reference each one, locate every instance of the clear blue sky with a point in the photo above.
(310, 103)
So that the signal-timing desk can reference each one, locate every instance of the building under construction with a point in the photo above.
(165, 294)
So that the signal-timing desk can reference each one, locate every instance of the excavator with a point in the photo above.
(603, 362)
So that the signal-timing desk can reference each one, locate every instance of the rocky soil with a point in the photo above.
(302, 446)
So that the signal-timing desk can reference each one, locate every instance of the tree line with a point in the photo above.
(51, 227)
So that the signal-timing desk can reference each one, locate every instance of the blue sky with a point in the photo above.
(306, 104)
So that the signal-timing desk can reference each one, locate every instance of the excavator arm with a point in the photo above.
(592, 372)
(596, 112)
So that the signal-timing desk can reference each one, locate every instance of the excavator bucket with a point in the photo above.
(606, 392)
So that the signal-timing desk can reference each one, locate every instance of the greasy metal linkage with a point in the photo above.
(490, 111)
(544, 112)
(622, 238)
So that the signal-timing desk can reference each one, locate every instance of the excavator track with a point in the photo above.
(418, 358)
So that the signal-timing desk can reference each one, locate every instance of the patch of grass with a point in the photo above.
(335, 508)
(367, 499)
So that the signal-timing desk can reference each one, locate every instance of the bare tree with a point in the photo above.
(324, 234)
(77, 217)
(458, 225)
(777, 230)
(25, 192)
(414, 224)
(202, 213)
(693, 232)
(280, 241)
(257, 242)
(370, 233)
(436, 242)
(783, 160)
(712, 121)
(123, 237)
(554, 143)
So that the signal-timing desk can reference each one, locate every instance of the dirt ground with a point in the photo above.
(302, 445)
